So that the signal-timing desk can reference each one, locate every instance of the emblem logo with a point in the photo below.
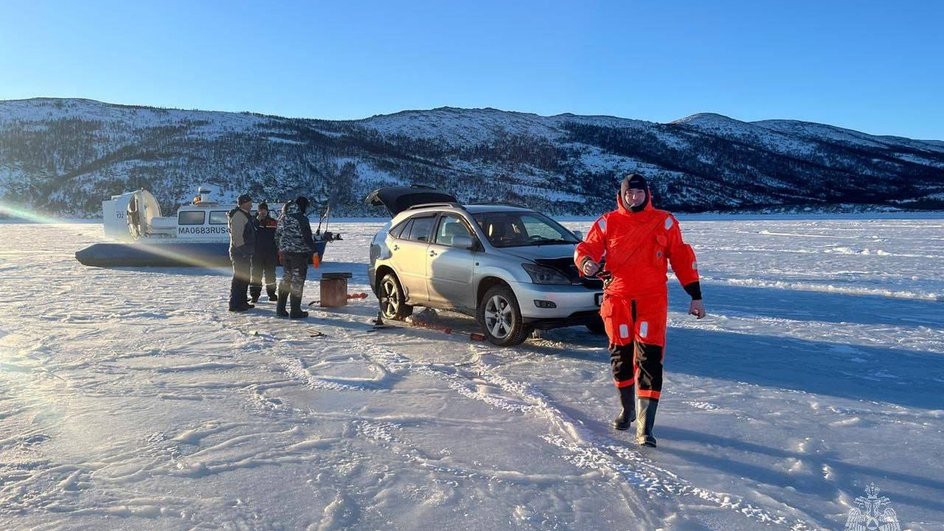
(871, 513)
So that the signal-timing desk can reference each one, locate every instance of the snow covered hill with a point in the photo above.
(65, 155)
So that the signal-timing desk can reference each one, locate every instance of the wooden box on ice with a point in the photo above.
(334, 289)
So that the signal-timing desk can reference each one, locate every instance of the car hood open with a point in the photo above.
(399, 198)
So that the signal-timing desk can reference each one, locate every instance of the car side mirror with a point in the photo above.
(579, 235)
(462, 242)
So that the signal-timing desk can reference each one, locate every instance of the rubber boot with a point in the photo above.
(233, 299)
(243, 288)
(646, 409)
(254, 292)
(628, 414)
(237, 296)
(270, 290)
(280, 305)
(297, 312)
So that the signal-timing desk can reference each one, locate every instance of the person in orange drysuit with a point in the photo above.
(630, 247)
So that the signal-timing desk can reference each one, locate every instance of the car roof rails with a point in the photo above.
(502, 204)
(430, 205)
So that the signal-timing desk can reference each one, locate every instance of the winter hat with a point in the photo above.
(302, 203)
(244, 198)
(633, 181)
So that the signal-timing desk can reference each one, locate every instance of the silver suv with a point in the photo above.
(509, 267)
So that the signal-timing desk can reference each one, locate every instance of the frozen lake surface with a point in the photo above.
(131, 399)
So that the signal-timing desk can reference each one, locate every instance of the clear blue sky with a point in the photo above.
(874, 66)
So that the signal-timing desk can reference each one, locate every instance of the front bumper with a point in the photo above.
(567, 300)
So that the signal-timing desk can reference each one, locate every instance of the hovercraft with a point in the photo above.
(197, 236)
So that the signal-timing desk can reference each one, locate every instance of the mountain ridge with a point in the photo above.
(64, 156)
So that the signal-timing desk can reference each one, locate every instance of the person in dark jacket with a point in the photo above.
(266, 256)
(295, 244)
(242, 244)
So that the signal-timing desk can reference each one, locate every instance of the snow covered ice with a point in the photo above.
(131, 399)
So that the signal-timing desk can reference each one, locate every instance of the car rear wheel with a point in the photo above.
(500, 316)
(392, 299)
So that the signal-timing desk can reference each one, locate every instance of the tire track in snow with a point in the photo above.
(583, 448)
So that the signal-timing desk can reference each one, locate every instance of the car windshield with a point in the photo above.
(520, 229)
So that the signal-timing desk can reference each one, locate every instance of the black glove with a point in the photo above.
(605, 276)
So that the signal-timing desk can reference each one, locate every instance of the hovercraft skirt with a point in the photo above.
(205, 254)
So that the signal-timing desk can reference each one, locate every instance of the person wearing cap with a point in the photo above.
(266, 257)
(242, 244)
(631, 248)
(296, 245)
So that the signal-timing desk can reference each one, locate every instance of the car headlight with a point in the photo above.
(544, 275)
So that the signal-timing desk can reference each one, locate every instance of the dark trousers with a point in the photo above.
(241, 272)
(294, 273)
(263, 268)
(640, 364)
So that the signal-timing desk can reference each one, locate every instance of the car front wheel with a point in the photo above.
(500, 316)
(392, 299)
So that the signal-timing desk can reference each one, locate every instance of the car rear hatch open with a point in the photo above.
(399, 198)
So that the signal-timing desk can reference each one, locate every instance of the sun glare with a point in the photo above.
(18, 212)
(158, 253)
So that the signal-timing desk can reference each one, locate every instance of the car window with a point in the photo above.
(401, 228)
(517, 229)
(503, 229)
(538, 228)
(450, 226)
(420, 229)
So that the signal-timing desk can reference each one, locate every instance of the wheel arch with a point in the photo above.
(380, 274)
(486, 284)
